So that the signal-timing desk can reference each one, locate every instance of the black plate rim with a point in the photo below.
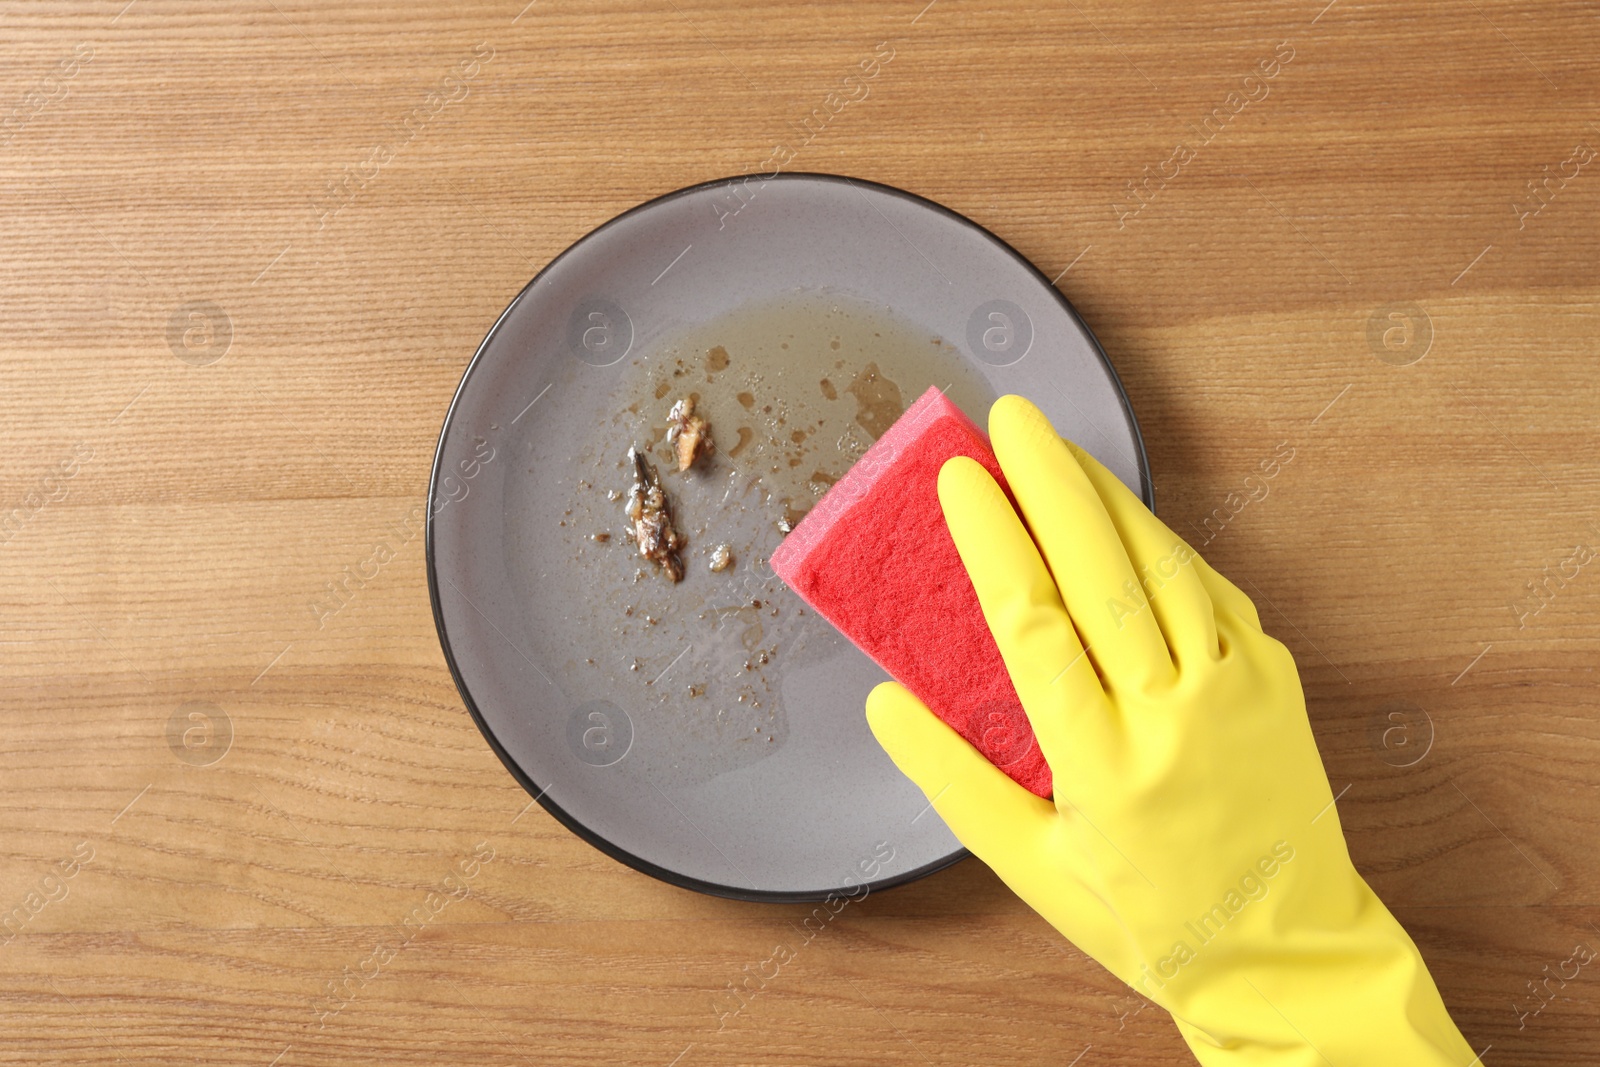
(639, 863)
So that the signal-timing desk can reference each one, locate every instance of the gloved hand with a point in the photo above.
(1192, 845)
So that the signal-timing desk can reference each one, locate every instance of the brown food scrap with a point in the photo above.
(722, 557)
(652, 519)
(688, 433)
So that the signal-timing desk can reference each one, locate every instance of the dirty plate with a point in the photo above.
(709, 732)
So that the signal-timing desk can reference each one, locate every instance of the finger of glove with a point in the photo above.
(1172, 588)
(1081, 544)
(1225, 596)
(1004, 825)
(1060, 692)
(987, 811)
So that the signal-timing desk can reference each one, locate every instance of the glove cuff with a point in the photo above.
(1356, 994)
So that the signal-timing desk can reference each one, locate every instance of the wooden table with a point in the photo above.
(249, 247)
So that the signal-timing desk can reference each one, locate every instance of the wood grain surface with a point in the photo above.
(249, 247)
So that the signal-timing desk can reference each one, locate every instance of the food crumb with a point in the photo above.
(697, 689)
(652, 519)
(602, 537)
(688, 433)
(721, 557)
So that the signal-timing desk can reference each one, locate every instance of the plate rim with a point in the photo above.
(616, 852)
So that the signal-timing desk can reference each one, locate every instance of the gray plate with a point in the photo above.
(710, 733)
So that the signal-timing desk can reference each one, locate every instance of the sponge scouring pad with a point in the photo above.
(875, 558)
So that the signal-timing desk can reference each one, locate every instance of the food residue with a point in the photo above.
(795, 397)
(688, 433)
(878, 400)
(652, 519)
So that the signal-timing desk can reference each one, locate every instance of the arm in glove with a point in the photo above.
(1192, 845)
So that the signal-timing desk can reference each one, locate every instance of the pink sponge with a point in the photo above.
(875, 558)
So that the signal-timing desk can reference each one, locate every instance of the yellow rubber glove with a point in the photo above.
(1192, 846)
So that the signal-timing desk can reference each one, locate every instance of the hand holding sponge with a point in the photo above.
(1192, 844)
